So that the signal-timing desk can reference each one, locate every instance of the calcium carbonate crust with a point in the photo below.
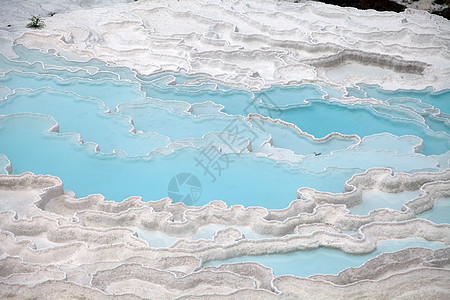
(80, 246)
(257, 44)
(60, 246)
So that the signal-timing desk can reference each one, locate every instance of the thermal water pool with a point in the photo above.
(440, 214)
(121, 135)
(324, 260)
(141, 129)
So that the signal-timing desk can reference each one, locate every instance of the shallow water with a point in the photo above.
(374, 199)
(323, 260)
(155, 138)
(428, 96)
(440, 213)
(118, 177)
(121, 135)
(321, 118)
(111, 92)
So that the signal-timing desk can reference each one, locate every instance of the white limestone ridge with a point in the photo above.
(280, 42)
(52, 240)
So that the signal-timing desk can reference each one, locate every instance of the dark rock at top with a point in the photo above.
(380, 5)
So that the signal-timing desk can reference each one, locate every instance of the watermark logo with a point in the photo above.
(238, 128)
(212, 162)
(238, 136)
(185, 187)
(264, 106)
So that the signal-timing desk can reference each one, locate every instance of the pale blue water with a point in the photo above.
(374, 199)
(321, 117)
(332, 92)
(410, 103)
(149, 117)
(97, 102)
(324, 260)
(37, 67)
(289, 138)
(79, 103)
(282, 96)
(437, 99)
(34, 55)
(117, 178)
(404, 144)
(355, 92)
(440, 213)
(86, 117)
(110, 91)
(367, 158)
(436, 123)
(236, 101)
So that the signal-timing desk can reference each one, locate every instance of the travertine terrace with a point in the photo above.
(58, 245)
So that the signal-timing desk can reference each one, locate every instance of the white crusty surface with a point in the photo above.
(80, 246)
(257, 43)
(55, 245)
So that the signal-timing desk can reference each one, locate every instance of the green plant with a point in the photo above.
(36, 22)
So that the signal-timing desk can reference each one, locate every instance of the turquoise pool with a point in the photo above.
(324, 260)
(105, 130)
(139, 132)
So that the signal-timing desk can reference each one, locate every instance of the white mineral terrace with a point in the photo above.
(249, 43)
(56, 245)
